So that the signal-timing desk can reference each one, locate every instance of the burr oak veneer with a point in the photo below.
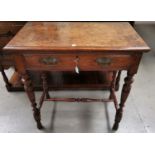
(76, 47)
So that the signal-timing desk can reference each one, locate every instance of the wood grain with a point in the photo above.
(104, 36)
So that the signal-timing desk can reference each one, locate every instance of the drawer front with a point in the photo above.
(50, 62)
(87, 62)
(107, 62)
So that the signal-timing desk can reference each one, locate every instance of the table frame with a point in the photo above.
(28, 86)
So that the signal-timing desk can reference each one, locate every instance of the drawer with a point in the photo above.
(105, 62)
(51, 62)
(87, 62)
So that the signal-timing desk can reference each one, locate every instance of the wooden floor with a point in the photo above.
(139, 114)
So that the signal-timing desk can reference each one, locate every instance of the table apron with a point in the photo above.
(86, 62)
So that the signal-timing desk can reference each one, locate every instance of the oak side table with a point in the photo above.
(76, 47)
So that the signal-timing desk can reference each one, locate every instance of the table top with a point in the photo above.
(102, 36)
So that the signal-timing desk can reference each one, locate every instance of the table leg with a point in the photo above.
(125, 92)
(30, 92)
(8, 85)
(112, 90)
(118, 81)
(45, 94)
(45, 84)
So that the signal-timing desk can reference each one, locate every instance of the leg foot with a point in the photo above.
(39, 126)
(37, 118)
(118, 118)
(115, 127)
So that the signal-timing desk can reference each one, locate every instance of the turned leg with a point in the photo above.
(45, 93)
(112, 90)
(8, 85)
(45, 84)
(112, 85)
(125, 92)
(118, 81)
(29, 90)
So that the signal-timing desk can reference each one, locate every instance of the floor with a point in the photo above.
(139, 113)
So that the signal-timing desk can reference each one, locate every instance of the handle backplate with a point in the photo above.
(104, 61)
(49, 60)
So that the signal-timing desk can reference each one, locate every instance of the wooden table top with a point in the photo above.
(102, 36)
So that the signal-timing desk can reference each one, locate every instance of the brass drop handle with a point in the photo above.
(49, 60)
(103, 61)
